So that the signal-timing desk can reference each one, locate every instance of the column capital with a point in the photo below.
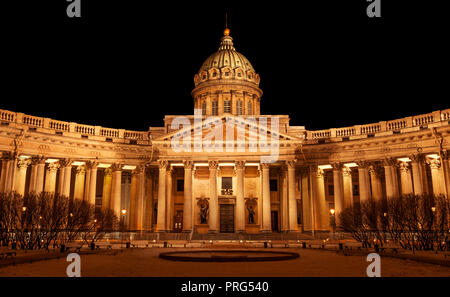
(91, 164)
(347, 171)
(188, 164)
(337, 166)
(291, 163)
(81, 170)
(417, 158)
(240, 164)
(265, 166)
(65, 163)
(319, 172)
(213, 164)
(363, 164)
(53, 167)
(162, 164)
(434, 163)
(138, 170)
(7, 156)
(38, 160)
(389, 161)
(375, 169)
(23, 163)
(108, 171)
(403, 166)
(116, 167)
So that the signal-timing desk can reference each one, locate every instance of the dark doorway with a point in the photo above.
(274, 218)
(178, 221)
(226, 218)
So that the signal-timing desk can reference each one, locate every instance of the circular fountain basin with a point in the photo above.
(228, 256)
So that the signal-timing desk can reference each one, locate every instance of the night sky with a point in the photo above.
(125, 64)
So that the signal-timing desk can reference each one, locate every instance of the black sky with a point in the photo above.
(126, 64)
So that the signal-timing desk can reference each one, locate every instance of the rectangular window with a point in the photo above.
(239, 107)
(203, 107)
(273, 185)
(215, 108)
(180, 185)
(227, 106)
(227, 183)
(250, 108)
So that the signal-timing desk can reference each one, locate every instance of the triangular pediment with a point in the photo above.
(232, 130)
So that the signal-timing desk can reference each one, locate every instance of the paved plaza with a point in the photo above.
(145, 262)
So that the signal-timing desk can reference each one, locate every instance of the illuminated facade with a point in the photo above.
(170, 186)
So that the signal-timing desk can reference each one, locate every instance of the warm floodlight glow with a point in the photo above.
(124, 211)
(351, 165)
(404, 159)
(129, 167)
(433, 156)
(78, 163)
(332, 211)
(328, 166)
(177, 164)
(226, 164)
(51, 160)
(24, 157)
(101, 165)
(201, 164)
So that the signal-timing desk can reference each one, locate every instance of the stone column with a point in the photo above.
(266, 204)
(364, 183)
(106, 195)
(161, 220)
(22, 165)
(213, 199)
(348, 186)
(446, 170)
(293, 226)
(133, 201)
(4, 172)
(150, 176)
(141, 198)
(33, 175)
(405, 179)
(39, 187)
(390, 176)
(338, 183)
(50, 178)
(436, 176)
(375, 177)
(116, 189)
(12, 169)
(320, 206)
(284, 200)
(417, 173)
(79, 182)
(65, 173)
(169, 200)
(187, 201)
(240, 204)
(91, 182)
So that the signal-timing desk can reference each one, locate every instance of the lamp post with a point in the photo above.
(122, 222)
(333, 221)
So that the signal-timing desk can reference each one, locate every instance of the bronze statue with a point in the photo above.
(251, 214)
(204, 213)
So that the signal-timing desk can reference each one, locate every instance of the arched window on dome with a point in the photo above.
(250, 108)
(239, 107)
(215, 107)
(204, 108)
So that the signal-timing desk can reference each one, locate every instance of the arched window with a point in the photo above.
(239, 107)
(250, 107)
(215, 107)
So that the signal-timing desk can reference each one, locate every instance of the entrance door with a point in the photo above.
(226, 218)
(178, 221)
(274, 219)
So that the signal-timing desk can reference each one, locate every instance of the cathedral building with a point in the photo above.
(226, 168)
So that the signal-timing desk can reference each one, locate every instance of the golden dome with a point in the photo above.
(226, 64)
